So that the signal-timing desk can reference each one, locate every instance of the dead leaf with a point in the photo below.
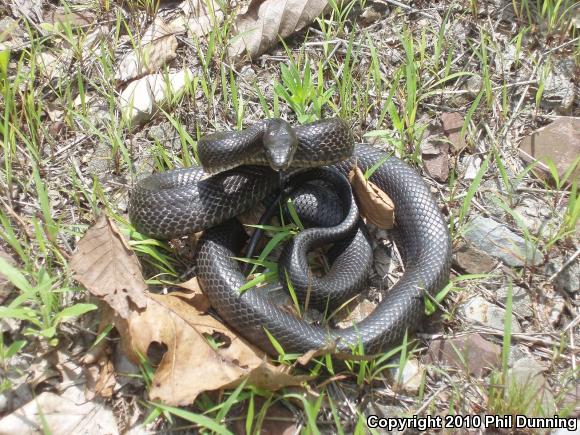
(73, 18)
(195, 295)
(171, 321)
(266, 21)
(374, 204)
(142, 97)
(305, 358)
(12, 35)
(157, 47)
(108, 268)
(67, 413)
(29, 9)
(199, 18)
(51, 66)
(101, 379)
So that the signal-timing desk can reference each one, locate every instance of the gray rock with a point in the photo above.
(474, 84)
(534, 214)
(527, 381)
(568, 279)
(498, 241)
(521, 300)
(100, 164)
(384, 411)
(557, 307)
(559, 89)
(481, 311)
(517, 353)
(166, 135)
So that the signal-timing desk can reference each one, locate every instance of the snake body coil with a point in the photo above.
(187, 200)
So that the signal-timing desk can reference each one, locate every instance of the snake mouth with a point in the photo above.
(280, 162)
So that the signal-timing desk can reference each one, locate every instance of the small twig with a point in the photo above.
(428, 402)
(20, 221)
(540, 190)
(430, 399)
(526, 337)
(572, 324)
(496, 88)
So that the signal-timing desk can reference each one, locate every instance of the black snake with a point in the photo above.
(188, 200)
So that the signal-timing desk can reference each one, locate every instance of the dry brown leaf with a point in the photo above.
(199, 17)
(29, 9)
(157, 47)
(305, 358)
(182, 328)
(66, 413)
(195, 295)
(106, 380)
(266, 21)
(108, 268)
(100, 375)
(374, 204)
(73, 18)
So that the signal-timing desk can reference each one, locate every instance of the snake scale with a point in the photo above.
(183, 201)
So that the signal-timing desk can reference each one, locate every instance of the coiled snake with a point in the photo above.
(183, 201)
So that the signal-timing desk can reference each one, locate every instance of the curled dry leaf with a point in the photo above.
(266, 21)
(57, 16)
(195, 295)
(173, 321)
(374, 204)
(108, 268)
(157, 47)
(101, 379)
(199, 17)
(29, 9)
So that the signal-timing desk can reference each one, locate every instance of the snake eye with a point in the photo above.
(280, 143)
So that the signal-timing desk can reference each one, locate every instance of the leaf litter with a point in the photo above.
(179, 321)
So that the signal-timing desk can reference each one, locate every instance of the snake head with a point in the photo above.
(280, 144)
